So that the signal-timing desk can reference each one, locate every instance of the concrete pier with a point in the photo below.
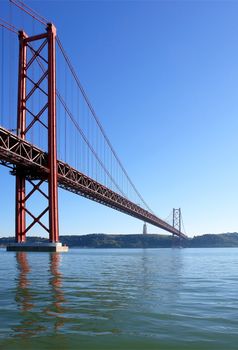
(37, 247)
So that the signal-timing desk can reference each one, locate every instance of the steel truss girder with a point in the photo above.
(15, 150)
(72, 180)
(6, 164)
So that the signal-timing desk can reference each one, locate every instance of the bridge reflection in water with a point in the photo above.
(40, 308)
(91, 299)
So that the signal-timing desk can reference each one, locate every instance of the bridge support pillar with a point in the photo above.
(20, 209)
(52, 145)
(20, 234)
(37, 54)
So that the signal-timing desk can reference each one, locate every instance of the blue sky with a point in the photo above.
(163, 78)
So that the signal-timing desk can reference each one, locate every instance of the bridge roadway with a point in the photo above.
(32, 161)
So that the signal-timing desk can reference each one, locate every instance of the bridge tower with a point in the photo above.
(176, 241)
(177, 219)
(38, 51)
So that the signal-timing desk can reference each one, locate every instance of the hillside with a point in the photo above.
(139, 241)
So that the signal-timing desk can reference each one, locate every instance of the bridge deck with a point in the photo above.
(33, 162)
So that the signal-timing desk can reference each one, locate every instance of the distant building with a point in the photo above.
(144, 229)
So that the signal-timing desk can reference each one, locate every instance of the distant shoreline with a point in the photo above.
(100, 240)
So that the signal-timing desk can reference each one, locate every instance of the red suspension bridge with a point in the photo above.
(53, 138)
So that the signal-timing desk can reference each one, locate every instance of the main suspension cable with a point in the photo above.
(8, 26)
(22, 6)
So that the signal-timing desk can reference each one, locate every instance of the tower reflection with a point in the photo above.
(23, 294)
(39, 295)
(56, 309)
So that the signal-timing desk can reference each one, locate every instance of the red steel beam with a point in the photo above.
(52, 145)
(20, 226)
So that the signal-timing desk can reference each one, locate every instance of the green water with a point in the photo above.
(120, 299)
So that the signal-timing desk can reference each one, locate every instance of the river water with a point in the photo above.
(119, 299)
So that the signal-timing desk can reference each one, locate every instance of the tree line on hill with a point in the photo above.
(99, 240)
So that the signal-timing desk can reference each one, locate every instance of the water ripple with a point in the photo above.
(120, 299)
